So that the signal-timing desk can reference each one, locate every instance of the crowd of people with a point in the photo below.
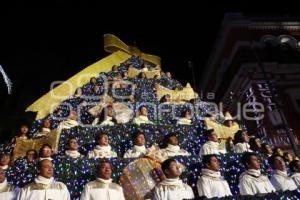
(107, 111)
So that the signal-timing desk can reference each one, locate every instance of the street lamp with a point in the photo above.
(283, 41)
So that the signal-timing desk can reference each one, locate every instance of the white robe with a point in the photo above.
(252, 182)
(102, 152)
(141, 120)
(102, 189)
(184, 121)
(44, 188)
(42, 133)
(73, 154)
(7, 191)
(211, 147)
(296, 178)
(67, 124)
(174, 150)
(172, 189)
(242, 147)
(211, 184)
(107, 122)
(136, 152)
(282, 182)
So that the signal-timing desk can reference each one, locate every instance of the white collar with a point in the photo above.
(3, 184)
(143, 117)
(211, 173)
(46, 158)
(46, 130)
(281, 173)
(4, 167)
(171, 181)
(254, 172)
(139, 148)
(101, 180)
(173, 148)
(43, 180)
(213, 144)
(72, 153)
(103, 148)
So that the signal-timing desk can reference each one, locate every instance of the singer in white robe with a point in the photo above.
(211, 147)
(7, 191)
(44, 186)
(102, 152)
(211, 184)
(282, 182)
(102, 189)
(252, 182)
(172, 189)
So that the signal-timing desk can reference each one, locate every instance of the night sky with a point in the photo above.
(39, 45)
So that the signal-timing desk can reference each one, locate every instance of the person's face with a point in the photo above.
(31, 156)
(140, 140)
(110, 111)
(104, 171)
(2, 175)
(258, 142)
(73, 115)
(245, 137)
(96, 89)
(279, 164)
(144, 111)
(214, 164)
(46, 169)
(131, 98)
(254, 163)
(46, 124)
(168, 74)
(228, 123)
(268, 150)
(188, 115)
(5, 159)
(289, 157)
(93, 80)
(279, 151)
(173, 140)
(213, 137)
(73, 145)
(79, 91)
(46, 152)
(297, 168)
(174, 170)
(24, 130)
(143, 75)
(103, 140)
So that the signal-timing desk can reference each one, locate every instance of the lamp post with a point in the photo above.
(282, 41)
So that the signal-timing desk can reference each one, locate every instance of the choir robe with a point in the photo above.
(252, 182)
(296, 178)
(173, 150)
(42, 133)
(7, 191)
(242, 147)
(107, 122)
(102, 189)
(141, 120)
(44, 188)
(102, 152)
(282, 182)
(67, 124)
(73, 154)
(136, 152)
(172, 189)
(211, 184)
(211, 147)
(184, 121)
